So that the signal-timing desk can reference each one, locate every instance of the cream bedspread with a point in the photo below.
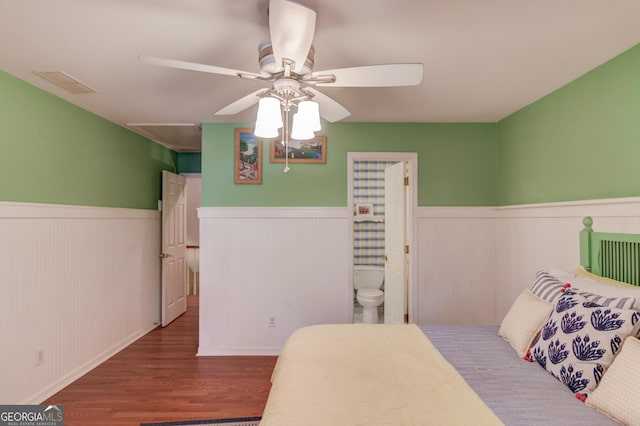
(358, 374)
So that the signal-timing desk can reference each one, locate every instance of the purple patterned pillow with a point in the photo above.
(580, 340)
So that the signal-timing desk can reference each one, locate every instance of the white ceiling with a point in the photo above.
(483, 60)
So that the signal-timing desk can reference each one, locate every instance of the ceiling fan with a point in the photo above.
(286, 60)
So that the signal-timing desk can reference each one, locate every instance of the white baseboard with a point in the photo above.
(63, 382)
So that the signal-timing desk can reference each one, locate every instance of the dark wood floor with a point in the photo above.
(158, 378)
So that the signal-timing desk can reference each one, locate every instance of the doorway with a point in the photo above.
(366, 194)
(194, 201)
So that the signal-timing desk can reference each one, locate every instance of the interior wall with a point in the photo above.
(80, 268)
(472, 263)
(456, 265)
(194, 201)
(579, 142)
(368, 235)
(65, 155)
(189, 162)
(80, 284)
(475, 261)
(268, 272)
(457, 165)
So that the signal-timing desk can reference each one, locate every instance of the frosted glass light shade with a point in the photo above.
(300, 130)
(310, 112)
(269, 118)
(265, 131)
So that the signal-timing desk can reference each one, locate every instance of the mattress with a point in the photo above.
(518, 392)
(362, 374)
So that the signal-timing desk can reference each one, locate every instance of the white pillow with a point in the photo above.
(561, 275)
(617, 394)
(524, 320)
(584, 284)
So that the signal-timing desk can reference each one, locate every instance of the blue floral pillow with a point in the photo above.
(580, 340)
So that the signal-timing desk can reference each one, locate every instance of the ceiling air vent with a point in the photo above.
(64, 81)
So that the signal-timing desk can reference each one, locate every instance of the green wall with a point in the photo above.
(456, 165)
(189, 162)
(579, 142)
(55, 152)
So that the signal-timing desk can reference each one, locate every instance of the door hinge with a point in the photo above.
(406, 181)
(406, 249)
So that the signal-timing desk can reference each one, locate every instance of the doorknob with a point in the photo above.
(385, 258)
(165, 255)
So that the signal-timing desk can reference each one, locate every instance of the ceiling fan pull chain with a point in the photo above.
(285, 137)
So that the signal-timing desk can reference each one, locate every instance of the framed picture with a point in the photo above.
(313, 151)
(364, 211)
(248, 158)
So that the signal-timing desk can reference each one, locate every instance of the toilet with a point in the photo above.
(368, 281)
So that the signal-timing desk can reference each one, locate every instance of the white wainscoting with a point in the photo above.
(533, 237)
(457, 265)
(292, 264)
(289, 264)
(78, 284)
(474, 261)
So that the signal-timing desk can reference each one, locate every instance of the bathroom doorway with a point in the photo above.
(366, 195)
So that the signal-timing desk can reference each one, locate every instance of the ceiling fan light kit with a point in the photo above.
(309, 111)
(298, 129)
(269, 118)
(286, 93)
(306, 121)
(286, 60)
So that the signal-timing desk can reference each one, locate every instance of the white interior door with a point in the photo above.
(395, 240)
(174, 248)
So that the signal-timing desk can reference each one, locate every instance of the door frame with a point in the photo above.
(412, 159)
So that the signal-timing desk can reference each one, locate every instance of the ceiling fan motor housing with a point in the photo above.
(287, 87)
(268, 66)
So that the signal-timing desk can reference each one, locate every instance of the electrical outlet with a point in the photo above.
(39, 357)
(272, 322)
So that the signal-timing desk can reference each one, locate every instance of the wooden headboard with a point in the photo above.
(615, 256)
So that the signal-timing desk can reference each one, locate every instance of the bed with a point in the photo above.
(476, 375)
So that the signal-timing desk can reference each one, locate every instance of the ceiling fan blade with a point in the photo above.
(192, 66)
(241, 104)
(330, 110)
(386, 75)
(292, 26)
